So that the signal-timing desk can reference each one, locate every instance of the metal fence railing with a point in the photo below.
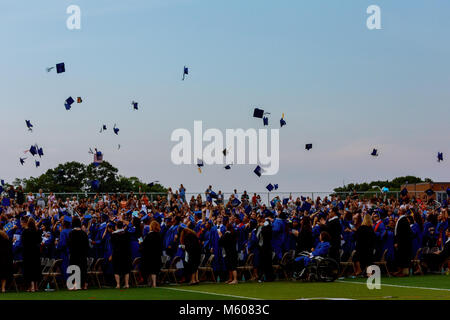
(266, 197)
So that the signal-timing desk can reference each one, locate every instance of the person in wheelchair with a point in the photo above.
(305, 258)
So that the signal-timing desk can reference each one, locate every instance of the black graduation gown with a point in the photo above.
(78, 243)
(365, 244)
(305, 241)
(151, 254)
(121, 252)
(334, 228)
(6, 259)
(193, 250)
(31, 242)
(228, 243)
(403, 238)
(265, 249)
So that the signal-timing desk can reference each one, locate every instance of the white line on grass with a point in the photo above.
(396, 285)
(324, 299)
(211, 293)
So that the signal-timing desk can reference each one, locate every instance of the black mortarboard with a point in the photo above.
(429, 192)
(40, 152)
(227, 167)
(199, 165)
(103, 128)
(404, 192)
(269, 187)
(68, 103)
(33, 150)
(308, 146)
(258, 113)
(95, 184)
(282, 122)
(265, 121)
(235, 202)
(79, 100)
(60, 68)
(38, 164)
(257, 171)
(29, 125)
(135, 105)
(275, 186)
(22, 161)
(185, 72)
(440, 156)
(374, 153)
(116, 130)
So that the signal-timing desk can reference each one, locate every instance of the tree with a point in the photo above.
(393, 185)
(75, 177)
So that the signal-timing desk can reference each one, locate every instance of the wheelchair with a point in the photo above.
(324, 269)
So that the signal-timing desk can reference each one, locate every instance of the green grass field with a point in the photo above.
(434, 287)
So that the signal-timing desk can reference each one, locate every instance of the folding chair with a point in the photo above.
(383, 262)
(247, 267)
(348, 263)
(53, 273)
(207, 269)
(96, 271)
(135, 272)
(415, 263)
(171, 270)
(17, 273)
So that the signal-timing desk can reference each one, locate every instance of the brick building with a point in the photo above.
(439, 188)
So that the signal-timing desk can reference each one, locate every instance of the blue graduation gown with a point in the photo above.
(254, 248)
(389, 245)
(278, 237)
(63, 250)
(417, 236)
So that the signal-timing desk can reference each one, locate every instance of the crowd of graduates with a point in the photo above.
(118, 228)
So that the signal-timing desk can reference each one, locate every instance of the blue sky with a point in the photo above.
(342, 87)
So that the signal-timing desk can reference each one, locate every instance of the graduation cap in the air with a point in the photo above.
(116, 130)
(118, 147)
(404, 192)
(60, 68)
(308, 146)
(40, 152)
(22, 160)
(185, 72)
(265, 121)
(95, 184)
(228, 167)
(33, 150)
(38, 164)
(68, 103)
(440, 157)
(282, 121)
(151, 184)
(429, 192)
(374, 153)
(200, 165)
(29, 125)
(235, 202)
(257, 171)
(269, 187)
(259, 113)
(79, 100)
(103, 128)
(275, 186)
(135, 105)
